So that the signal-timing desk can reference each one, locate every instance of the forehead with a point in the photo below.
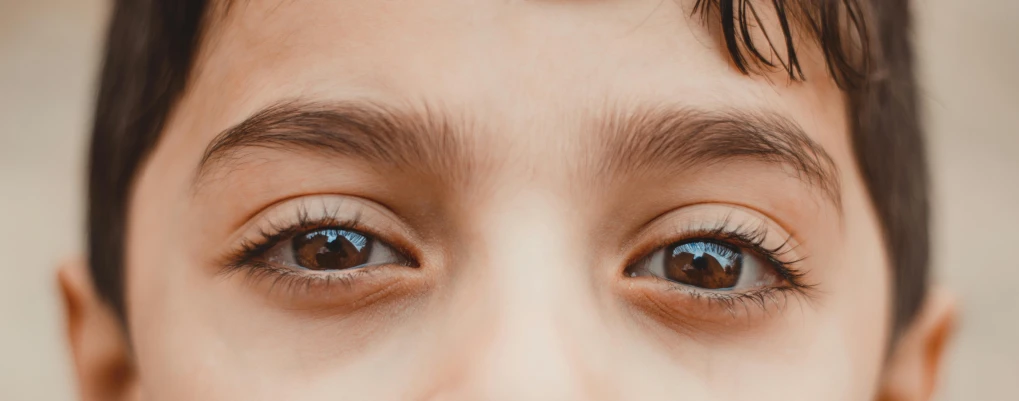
(502, 60)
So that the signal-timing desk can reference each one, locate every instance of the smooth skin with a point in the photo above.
(521, 227)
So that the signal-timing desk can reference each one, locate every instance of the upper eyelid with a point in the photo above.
(731, 209)
(369, 212)
(650, 234)
(371, 218)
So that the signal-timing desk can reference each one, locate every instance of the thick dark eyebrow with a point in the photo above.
(424, 141)
(653, 139)
(418, 140)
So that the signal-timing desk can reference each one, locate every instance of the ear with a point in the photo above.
(102, 358)
(913, 370)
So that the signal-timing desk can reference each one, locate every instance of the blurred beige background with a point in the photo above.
(49, 55)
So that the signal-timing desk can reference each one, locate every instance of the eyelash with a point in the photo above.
(746, 237)
(246, 259)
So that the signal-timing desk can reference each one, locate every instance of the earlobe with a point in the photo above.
(912, 371)
(101, 353)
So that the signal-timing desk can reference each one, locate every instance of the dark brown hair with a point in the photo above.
(151, 46)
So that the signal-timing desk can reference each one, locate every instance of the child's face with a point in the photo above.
(500, 200)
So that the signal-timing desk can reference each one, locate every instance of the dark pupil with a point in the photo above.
(331, 249)
(704, 264)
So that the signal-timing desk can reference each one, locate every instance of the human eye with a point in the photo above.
(723, 256)
(332, 248)
(711, 264)
(313, 244)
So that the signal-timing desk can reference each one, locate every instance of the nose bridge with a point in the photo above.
(538, 295)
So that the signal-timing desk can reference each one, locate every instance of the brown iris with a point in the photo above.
(703, 264)
(331, 249)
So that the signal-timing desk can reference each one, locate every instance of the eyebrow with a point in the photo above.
(644, 139)
(423, 141)
(656, 138)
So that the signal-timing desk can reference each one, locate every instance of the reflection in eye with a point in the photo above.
(332, 249)
(709, 265)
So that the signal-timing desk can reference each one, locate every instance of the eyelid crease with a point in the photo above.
(714, 227)
(742, 208)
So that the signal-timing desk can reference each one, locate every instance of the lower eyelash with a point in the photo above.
(759, 297)
(758, 300)
(289, 280)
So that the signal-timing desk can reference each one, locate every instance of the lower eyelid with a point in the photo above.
(255, 273)
(687, 308)
(339, 291)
